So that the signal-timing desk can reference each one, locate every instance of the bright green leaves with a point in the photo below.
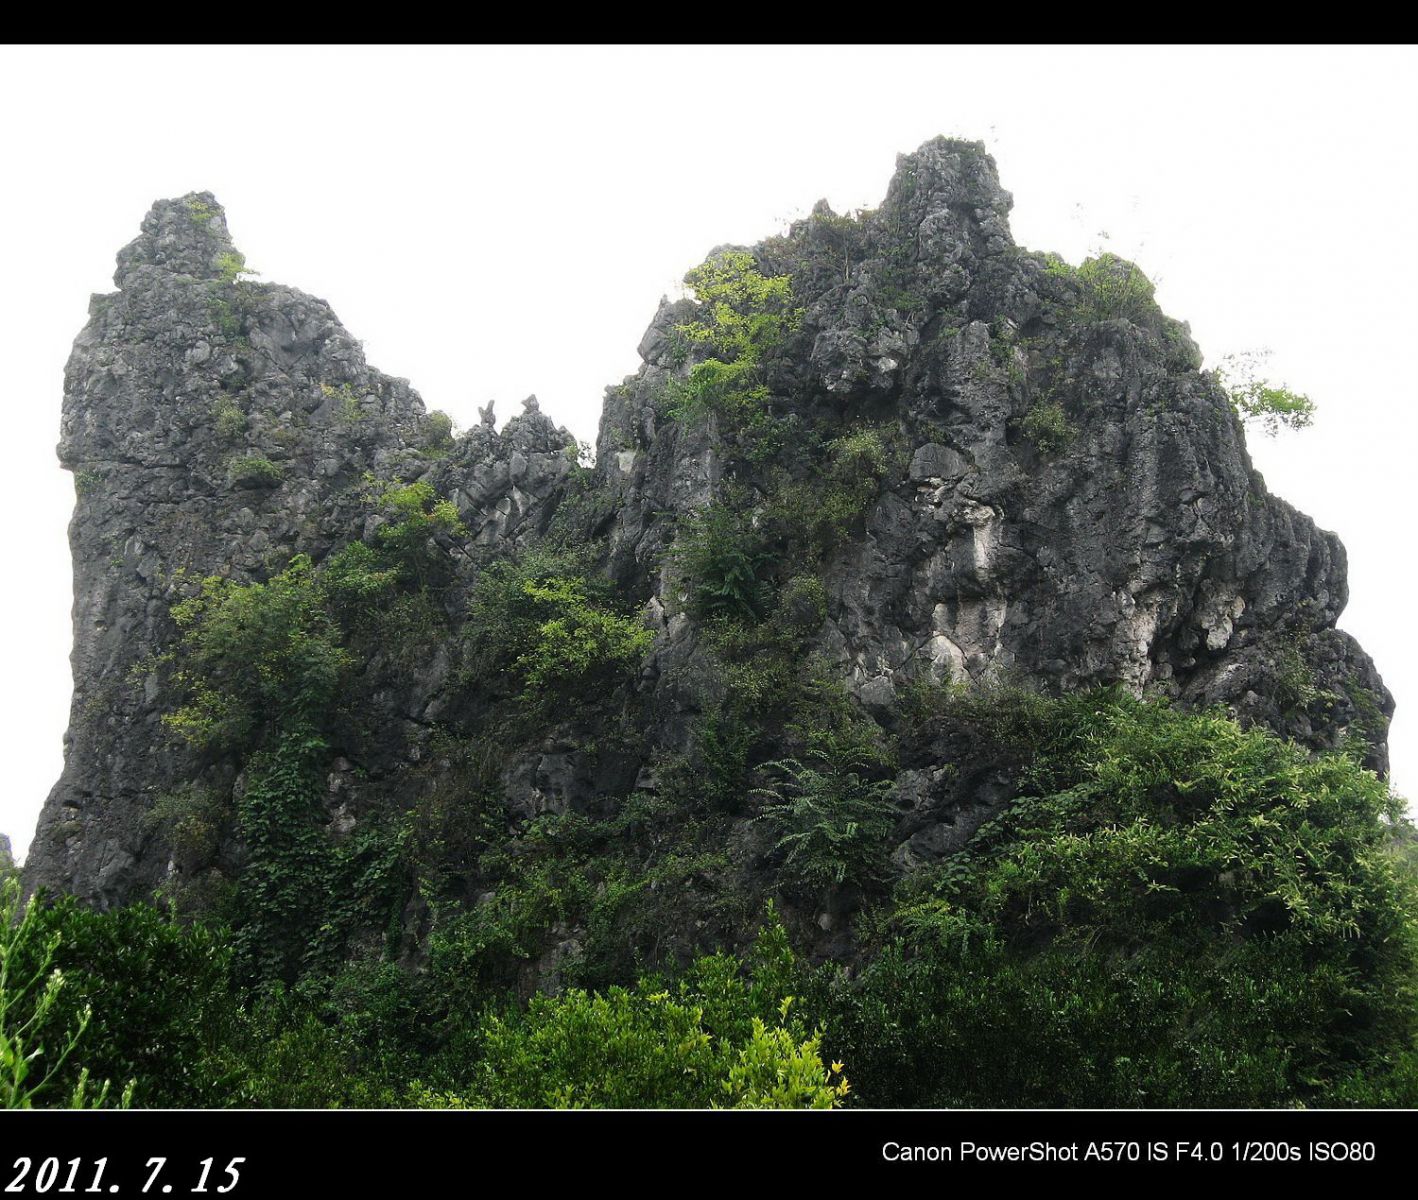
(420, 519)
(267, 670)
(1259, 401)
(743, 313)
(552, 626)
(1171, 910)
(713, 1040)
(579, 640)
(743, 316)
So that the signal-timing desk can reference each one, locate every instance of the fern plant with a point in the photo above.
(832, 819)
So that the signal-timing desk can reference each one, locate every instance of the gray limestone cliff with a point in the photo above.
(1067, 500)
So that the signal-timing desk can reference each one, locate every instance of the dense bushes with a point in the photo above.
(1169, 911)
(1172, 911)
(650, 1047)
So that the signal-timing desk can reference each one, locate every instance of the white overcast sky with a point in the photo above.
(495, 222)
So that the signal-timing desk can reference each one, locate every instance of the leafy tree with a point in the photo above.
(1259, 401)
(721, 556)
(743, 315)
(421, 519)
(551, 624)
(578, 640)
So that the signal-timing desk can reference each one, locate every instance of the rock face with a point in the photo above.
(1068, 502)
(217, 427)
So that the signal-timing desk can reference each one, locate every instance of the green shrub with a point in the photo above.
(578, 642)
(830, 817)
(191, 819)
(546, 621)
(743, 315)
(231, 265)
(721, 555)
(231, 421)
(256, 657)
(437, 430)
(253, 471)
(802, 604)
(39, 1032)
(356, 580)
(349, 410)
(284, 1055)
(810, 517)
(1110, 288)
(701, 1044)
(1048, 427)
(420, 517)
(157, 995)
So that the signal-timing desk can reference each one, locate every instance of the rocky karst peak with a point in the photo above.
(187, 236)
(948, 461)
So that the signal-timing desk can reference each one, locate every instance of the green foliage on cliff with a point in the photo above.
(1048, 427)
(419, 518)
(1173, 911)
(1259, 401)
(743, 316)
(256, 657)
(721, 555)
(231, 265)
(830, 815)
(1109, 288)
(252, 470)
(546, 621)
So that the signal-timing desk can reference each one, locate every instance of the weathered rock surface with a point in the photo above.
(1143, 549)
(217, 427)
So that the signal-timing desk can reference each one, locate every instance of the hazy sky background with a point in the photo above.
(494, 222)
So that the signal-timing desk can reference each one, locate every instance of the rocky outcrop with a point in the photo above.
(218, 426)
(1145, 551)
(1068, 501)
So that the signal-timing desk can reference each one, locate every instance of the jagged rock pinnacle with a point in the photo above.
(187, 236)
